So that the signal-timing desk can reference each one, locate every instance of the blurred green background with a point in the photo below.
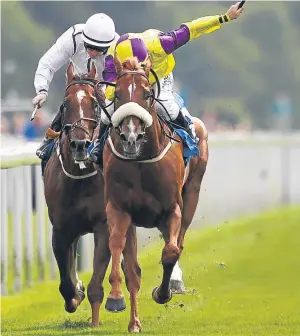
(242, 75)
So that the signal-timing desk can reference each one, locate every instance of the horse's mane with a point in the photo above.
(83, 76)
(132, 64)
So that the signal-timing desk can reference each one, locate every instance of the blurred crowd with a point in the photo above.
(18, 125)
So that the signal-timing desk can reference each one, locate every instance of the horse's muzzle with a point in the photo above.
(132, 144)
(80, 149)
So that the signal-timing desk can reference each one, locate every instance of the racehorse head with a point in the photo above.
(133, 103)
(80, 112)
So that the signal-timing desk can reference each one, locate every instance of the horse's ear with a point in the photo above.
(148, 65)
(93, 71)
(118, 63)
(70, 73)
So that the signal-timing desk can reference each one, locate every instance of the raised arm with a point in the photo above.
(172, 40)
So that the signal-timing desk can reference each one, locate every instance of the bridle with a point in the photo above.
(78, 124)
(68, 128)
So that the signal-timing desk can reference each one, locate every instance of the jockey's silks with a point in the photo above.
(160, 47)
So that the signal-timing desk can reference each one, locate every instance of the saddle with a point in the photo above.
(190, 146)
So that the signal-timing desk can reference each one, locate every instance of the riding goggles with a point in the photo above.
(100, 49)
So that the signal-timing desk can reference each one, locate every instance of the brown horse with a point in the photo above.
(146, 185)
(74, 194)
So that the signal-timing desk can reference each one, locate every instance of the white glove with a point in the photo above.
(39, 100)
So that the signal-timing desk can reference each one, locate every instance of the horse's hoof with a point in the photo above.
(115, 305)
(177, 287)
(135, 327)
(158, 299)
(95, 325)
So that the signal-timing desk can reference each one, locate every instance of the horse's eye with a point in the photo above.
(117, 96)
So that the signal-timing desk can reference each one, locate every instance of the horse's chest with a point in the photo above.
(144, 190)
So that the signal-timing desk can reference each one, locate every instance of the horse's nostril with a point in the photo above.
(73, 144)
(140, 137)
(87, 143)
(122, 136)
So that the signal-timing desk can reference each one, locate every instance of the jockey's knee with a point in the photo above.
(104, 118)
(172, 110)
(109, 109)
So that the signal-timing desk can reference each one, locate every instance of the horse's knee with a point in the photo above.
(117, 241)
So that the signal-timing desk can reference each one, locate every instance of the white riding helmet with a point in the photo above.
(99, 31)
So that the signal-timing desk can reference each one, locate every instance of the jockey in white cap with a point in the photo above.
(80, 44)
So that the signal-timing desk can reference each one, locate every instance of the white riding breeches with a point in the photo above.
(171, 101)
(168, 97)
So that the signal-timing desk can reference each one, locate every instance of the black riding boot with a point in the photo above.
(55, 126)
(183, 122)
(97, 151)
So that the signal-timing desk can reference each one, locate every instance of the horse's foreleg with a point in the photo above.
(101, 260)
(132, 271)
(65, 250)
(118, 223)
(79, 288)
(170, 256)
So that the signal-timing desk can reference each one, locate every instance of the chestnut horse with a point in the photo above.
(146, 184)
(74, 194)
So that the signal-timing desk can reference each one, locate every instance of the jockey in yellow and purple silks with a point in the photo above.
(159, 46)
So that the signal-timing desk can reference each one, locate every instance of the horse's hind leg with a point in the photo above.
(132, 271)
(176, 282)
(191, 190)
(101, 260)
(64, 250)
(190, 196)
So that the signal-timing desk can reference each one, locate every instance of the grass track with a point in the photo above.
(243, 279)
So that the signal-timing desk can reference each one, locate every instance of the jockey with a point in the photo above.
(159, 46)
(79, 44)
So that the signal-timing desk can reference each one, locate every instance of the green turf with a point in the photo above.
(242, 278)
